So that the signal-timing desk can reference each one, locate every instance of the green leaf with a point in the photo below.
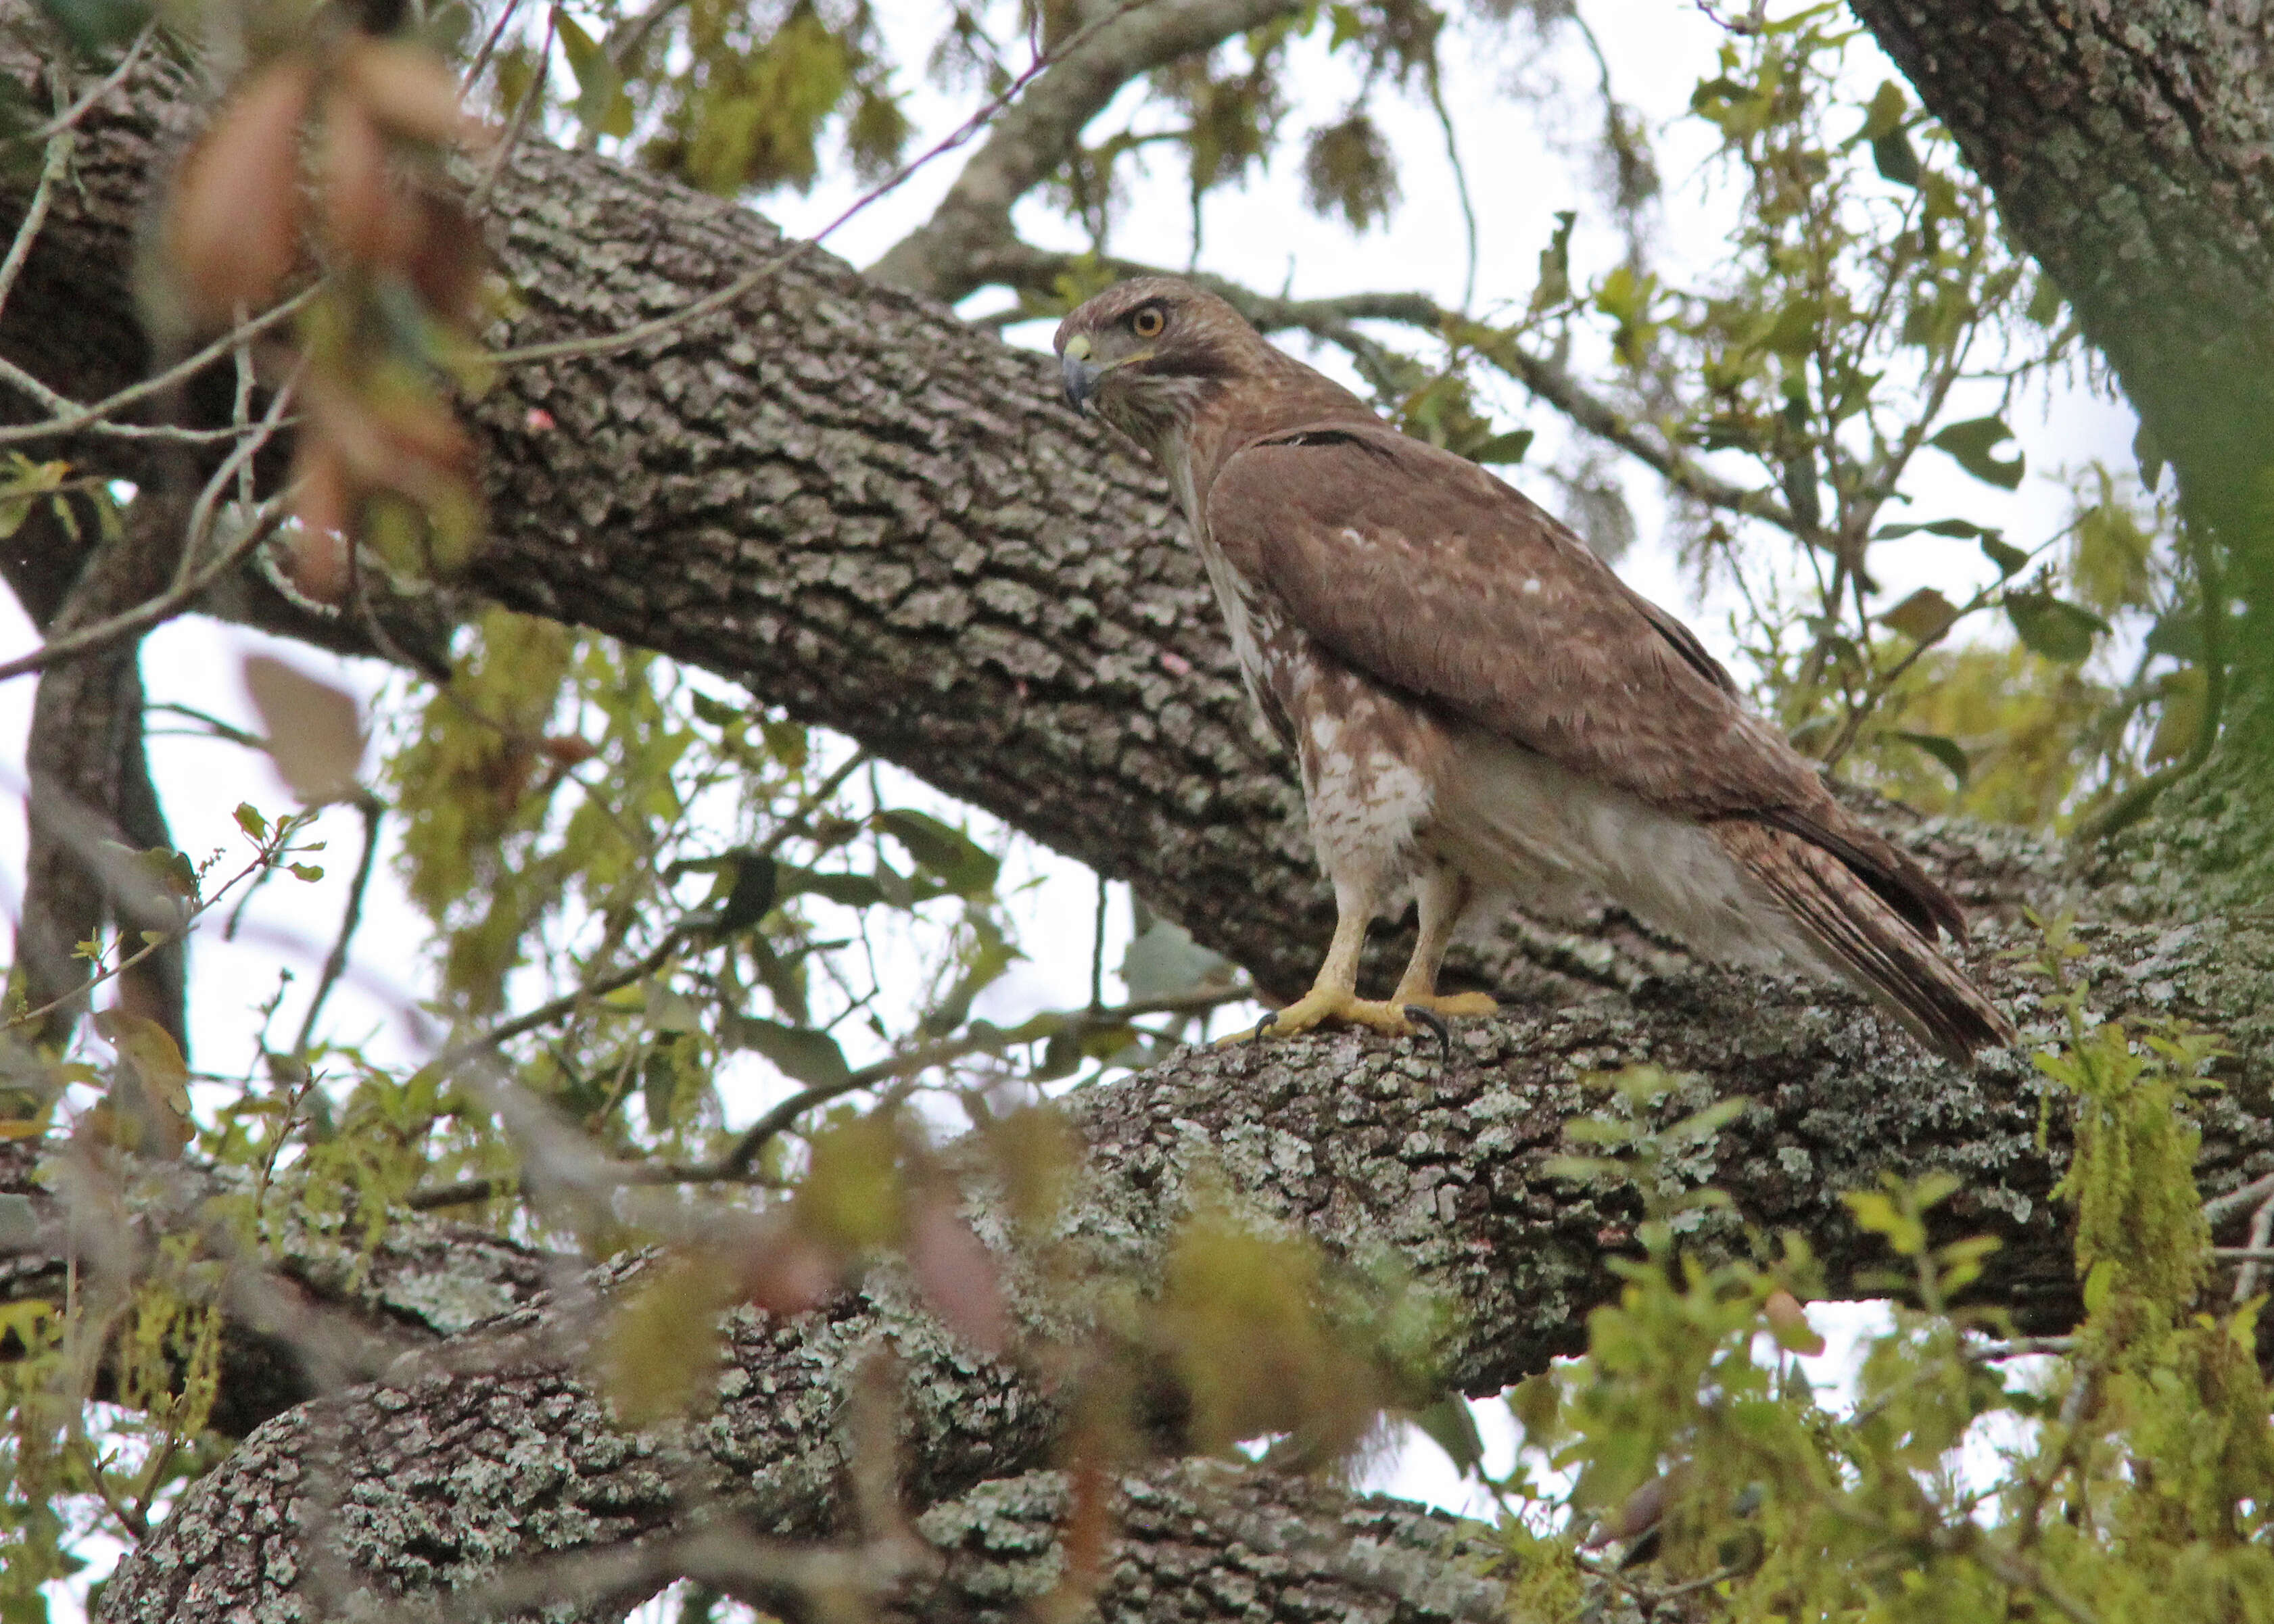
(1885, 116)
(1450, 1425)
(812, 1057)
(2180, 635)
(1062, 1057)
(250, 820)
(851, 891)
(1893, 156)
(2149, 453)
(2045, 302)
(1793, 332)
(1508, 447)
(1555, 265)
(750, 895)
(1933, 527)
(309, 872)
(1947, 751)
(1971, 442)
(717, 712)
(1923, 617)
(2010, 559)
(1165, 961)
(961, 863)
(601, 105)
(2099, 1282)
(2056, 629)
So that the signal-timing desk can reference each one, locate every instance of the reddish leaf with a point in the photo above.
(364, 215)
(785, 1272)
(955, 1274)
(408, 89)
(233, 222)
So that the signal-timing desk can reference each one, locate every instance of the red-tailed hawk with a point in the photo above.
(1477, 703)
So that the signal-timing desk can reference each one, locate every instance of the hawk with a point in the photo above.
(1479, 704)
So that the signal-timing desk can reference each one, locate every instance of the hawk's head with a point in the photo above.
(1150, 353)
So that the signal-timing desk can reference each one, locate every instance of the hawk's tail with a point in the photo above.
(1867, 941)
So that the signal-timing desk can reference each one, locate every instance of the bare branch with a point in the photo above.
(946, 256)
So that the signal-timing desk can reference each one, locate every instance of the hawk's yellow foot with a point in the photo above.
(1449, 1003)
(1321, 1004)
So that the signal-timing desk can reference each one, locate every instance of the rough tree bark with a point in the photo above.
(879, 520)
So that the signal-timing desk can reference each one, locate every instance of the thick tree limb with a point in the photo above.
(90, 785)
(495, 1451)
(1203, 1540)
(329, 1311)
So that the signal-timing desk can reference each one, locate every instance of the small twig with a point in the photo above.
(266, 860)
(489, 48)
(2022, 1348)
(102, 87)
(134, 622)
(640, 333)
(735, 1166)
(1460, 177)
(529, 99)
(2219, 1209)
(69, 416)
(924, 1056)
(189, 582)
(336, 962)
(57, 163)
(206, 507)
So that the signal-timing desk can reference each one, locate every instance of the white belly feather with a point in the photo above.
(1513, 820)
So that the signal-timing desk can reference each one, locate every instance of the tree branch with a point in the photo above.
(1373, 1149)
(943, 257)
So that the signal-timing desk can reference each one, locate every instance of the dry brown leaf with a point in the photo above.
(445, 258)
(233, 219)
(409, 90)
(318, 566)
(315, 733)
(364, 215)
(1788, 1324)
(785, 1272)
(151, 1099)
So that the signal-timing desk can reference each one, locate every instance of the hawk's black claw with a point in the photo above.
(1263, 1027)
(1436, 1023)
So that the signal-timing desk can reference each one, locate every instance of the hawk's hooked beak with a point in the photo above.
(1080, 377)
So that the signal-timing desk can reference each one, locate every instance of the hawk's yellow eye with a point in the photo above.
(1148, 323)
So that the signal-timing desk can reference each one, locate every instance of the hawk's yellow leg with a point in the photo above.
(1440, 898)
(1334, 994)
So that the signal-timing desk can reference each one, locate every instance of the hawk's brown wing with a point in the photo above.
(1421, 569)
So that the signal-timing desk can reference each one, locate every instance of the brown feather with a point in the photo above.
(1878, 950)
(1416, 565)
(1464, 682)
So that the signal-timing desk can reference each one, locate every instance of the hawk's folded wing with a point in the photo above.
(1422, 570)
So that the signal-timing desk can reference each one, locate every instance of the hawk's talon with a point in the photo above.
(1436, 1022)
